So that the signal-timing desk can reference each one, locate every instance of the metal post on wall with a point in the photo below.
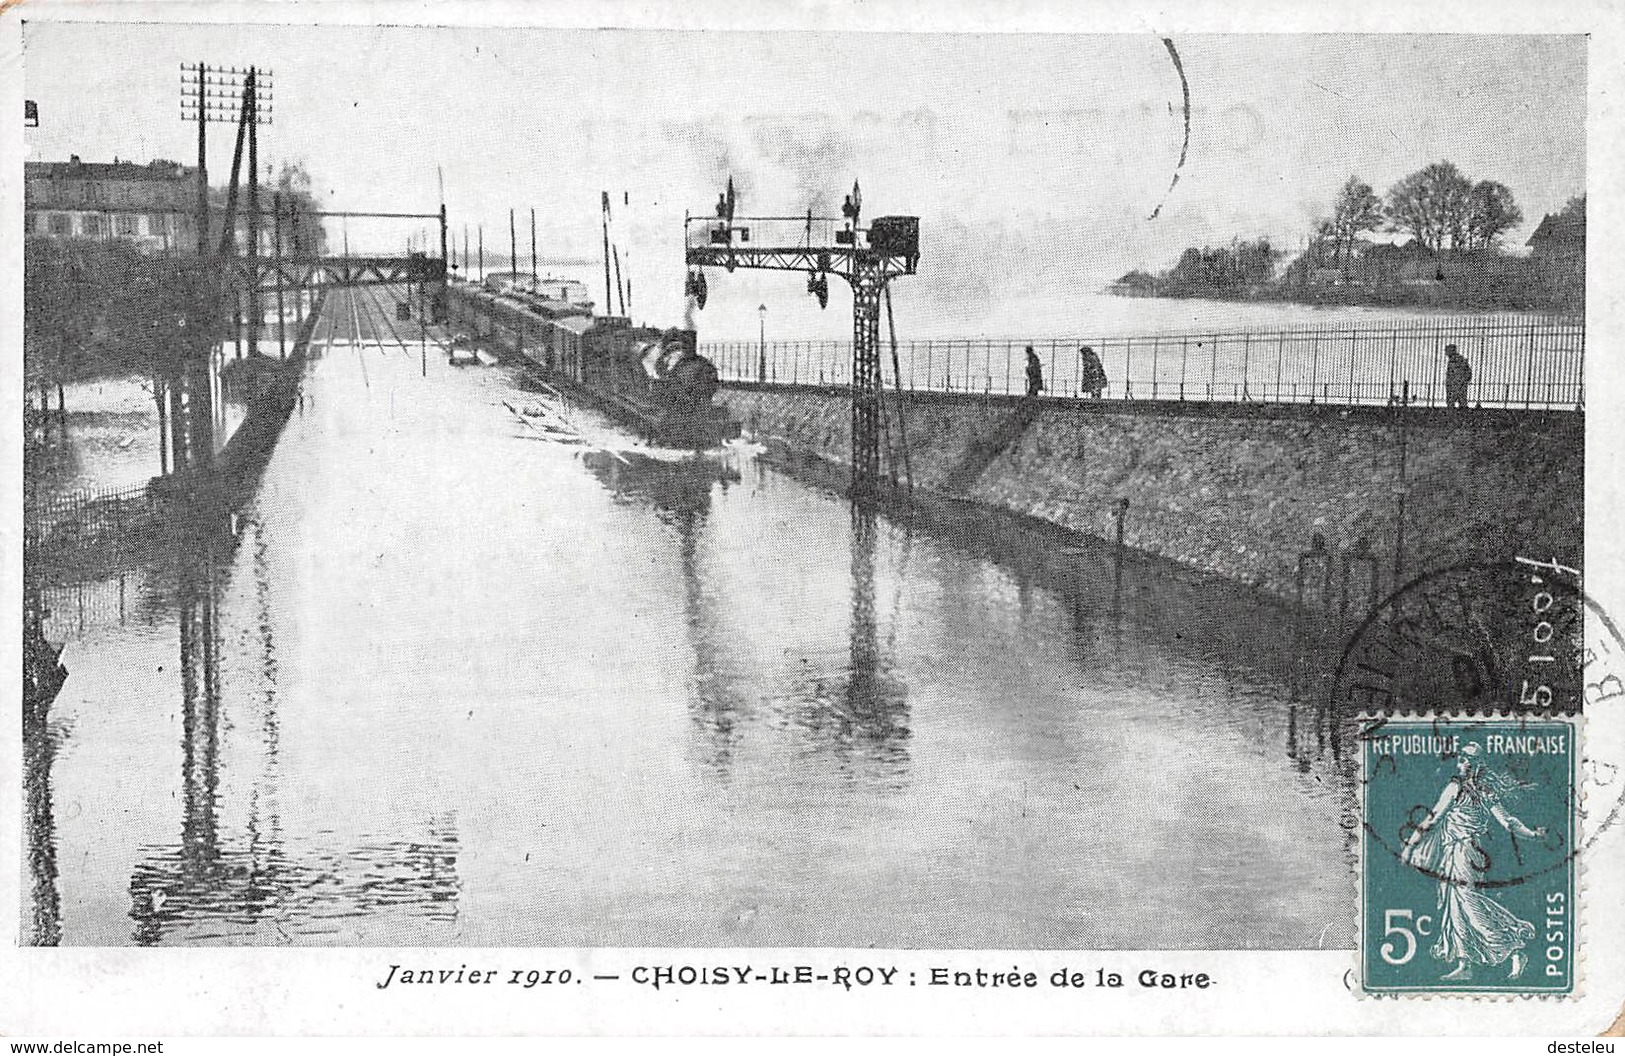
(761, 343)
(1354, 352)
(1402, 412)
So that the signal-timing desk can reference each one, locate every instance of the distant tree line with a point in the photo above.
(1452, 258)
(1209, 271)
(1437, 205)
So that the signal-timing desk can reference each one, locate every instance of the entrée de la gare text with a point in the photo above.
(847, 976)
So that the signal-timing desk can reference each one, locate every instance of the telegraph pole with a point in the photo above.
(445, 266)
(513, 248)
(609, 302)
(533, 272)
(202, 162)
(276, 251)
(211, 93)
(256, 313)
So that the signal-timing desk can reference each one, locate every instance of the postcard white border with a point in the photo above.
(79, 992)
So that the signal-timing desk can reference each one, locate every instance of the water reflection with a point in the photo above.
(39, 751)
(1136, 619)
(865, 713)
(679, 491)
(260, 885)
(853, 710)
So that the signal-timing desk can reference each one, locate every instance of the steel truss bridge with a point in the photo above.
(271, 274)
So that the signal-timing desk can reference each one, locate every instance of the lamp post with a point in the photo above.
(761, 347)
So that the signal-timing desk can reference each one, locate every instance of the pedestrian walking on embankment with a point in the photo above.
(1457, 376)
(1091, 372)
(1035, 373)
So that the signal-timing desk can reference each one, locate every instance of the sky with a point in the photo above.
(1036, 162)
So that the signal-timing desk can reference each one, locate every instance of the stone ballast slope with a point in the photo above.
(1237, 491)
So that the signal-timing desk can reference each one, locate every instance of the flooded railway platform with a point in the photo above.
(481, 670)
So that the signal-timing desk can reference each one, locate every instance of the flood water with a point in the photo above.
(480, 669)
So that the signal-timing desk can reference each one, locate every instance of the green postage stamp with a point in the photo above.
(1467, 878)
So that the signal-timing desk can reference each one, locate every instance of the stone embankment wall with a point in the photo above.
(1238, 491)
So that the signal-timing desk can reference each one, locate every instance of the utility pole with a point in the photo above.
(619, 290)
(513, 249)
(211, 93)
(482, 253)
(533, 272)
(256, 314)
(202, 161)
(293, 234)
(445, 269)
(276, 250)
(609, 301)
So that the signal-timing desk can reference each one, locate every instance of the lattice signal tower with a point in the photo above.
(866, 257)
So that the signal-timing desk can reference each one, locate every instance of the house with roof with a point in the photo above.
(152, 205)
(1561, 237)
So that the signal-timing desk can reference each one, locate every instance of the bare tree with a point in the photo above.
(298, 197)
(1491, 211)
(1357, 211)
(1433, 205)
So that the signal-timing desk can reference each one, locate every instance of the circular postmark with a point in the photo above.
(1473, 638)
(1485, 649)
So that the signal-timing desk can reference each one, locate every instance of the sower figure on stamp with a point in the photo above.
(1474, 929)
(1035, 373)
(1457, 375)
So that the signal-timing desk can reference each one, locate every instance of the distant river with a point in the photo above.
(923, 311)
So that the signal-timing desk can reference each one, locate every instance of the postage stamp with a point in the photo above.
(1468, 860)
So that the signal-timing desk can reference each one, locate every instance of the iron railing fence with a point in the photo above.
(1531, 362)
(83, 516)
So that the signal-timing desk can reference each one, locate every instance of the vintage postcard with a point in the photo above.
(708, 521)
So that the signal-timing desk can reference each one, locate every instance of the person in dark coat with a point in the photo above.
(1091, 372)
(1457, 376)
(1035, 373)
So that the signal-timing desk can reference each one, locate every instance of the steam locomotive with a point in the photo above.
(653, 380)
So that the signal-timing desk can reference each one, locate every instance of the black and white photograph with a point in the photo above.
(805, 486)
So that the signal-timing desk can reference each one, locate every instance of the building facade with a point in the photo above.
(152, 205)
(1561, 237)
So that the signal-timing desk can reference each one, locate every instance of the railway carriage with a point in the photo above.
(650, 379)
